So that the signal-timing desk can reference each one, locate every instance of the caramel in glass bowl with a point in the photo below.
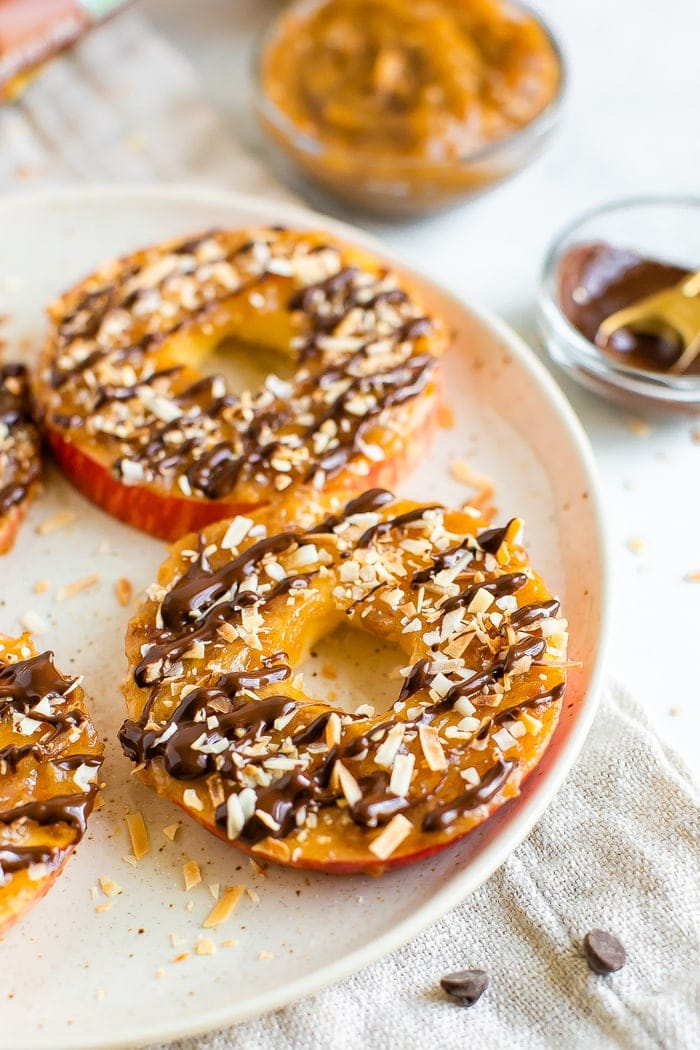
(402, 107)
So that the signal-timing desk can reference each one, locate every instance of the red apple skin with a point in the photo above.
(370, 865)
(168, 517)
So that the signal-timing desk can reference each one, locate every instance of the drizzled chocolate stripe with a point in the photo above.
(526, 615)
(200, 587)
(16, 858)
(443, 561)
(373, 499)
(23, 685)
(399, 522)
(171, 644)
(509, 583)
(490, 540)
(62, 809)
(440, 818)
(20, 465)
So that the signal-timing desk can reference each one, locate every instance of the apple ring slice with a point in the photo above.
(147, 436)
(50, 760)
(20, 452)
(219, 720)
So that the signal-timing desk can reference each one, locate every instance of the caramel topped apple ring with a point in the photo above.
(150, 438)
(219, 720)
(50, 759)
(20, 452)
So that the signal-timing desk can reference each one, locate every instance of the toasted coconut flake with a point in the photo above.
(236, 533)
(138, 834)
(481, 601)
(504, 739)
(191, 874)
(192, 800)
(35, 624)
(636, 544)
(532, 724)
(432, 748)
(391, 837)
(204, 946)
(72, 589)
(483, 487)
(56, 522)
(470, 776)
(348, 784)
(401, 774)
(266, 955)
(228, 632)
(123, 589)
(333, 730)
(388, 749)
(224, 907)
(109, 887)
(275, 849)
(41, 586)
(639, 427)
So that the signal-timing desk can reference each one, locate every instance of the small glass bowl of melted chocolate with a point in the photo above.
(612, 259)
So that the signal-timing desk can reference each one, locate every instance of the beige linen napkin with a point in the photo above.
(618, 848)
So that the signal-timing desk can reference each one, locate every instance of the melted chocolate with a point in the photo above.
(490, 540)
(509, 583)
(22, 686)
(373, 499)
(442, 561)
(399, 522)
(529, 614)
(377, 805)
(598, 279)
(62, 809)
(199, 587)
(21, 463)
(493, 780)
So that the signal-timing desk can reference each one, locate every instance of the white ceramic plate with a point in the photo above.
(74, 976)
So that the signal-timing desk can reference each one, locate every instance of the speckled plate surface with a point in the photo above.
(90, 970)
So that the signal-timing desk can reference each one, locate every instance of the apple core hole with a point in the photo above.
(350, 667)
(245, 367)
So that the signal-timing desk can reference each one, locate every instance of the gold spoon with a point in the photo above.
(674, 311)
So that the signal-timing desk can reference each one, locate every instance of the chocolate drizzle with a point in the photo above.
(493, 781)
(20, 463)
(509, 583)
(25, 686)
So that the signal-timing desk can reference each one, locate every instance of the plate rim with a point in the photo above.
(497, 851)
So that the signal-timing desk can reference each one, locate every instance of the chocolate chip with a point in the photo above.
(465, 986)
(604, 953)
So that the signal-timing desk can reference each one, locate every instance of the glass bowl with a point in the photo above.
(388, 185)
(663, 228)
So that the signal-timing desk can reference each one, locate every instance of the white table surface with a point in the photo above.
(630, 127)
